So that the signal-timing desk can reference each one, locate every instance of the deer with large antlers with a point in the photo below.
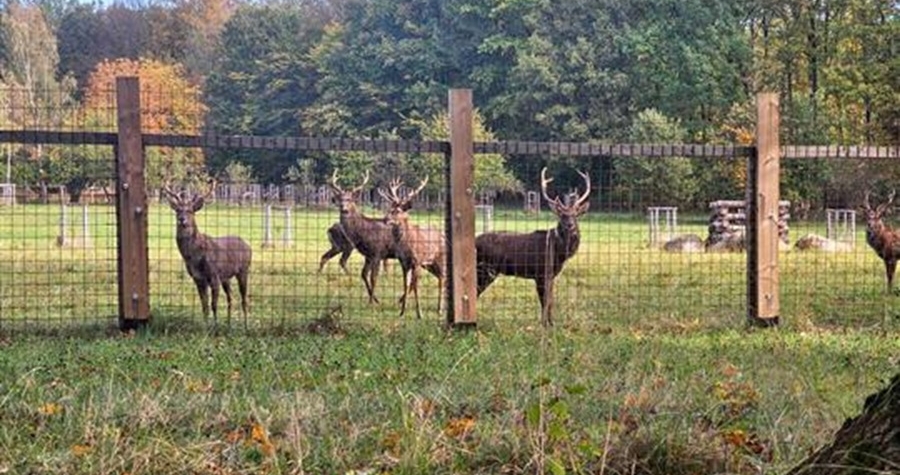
(210, 261)
(372, 237)
(416, 246)
(539, 255)
(881, 238)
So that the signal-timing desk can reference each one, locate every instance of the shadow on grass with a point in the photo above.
(331, 322)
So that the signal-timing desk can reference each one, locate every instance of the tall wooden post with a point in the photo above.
(461, 211)
(131, 208)
(762, 216)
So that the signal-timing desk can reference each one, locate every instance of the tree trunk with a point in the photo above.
(866, 444)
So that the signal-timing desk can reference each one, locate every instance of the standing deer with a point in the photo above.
(211, 262)
(539, 255)
(372, 237)
(416, 246)
(884, 240)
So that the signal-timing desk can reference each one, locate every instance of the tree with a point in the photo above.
(35, 96)
(491, 173)
(205, 20)
(657, 181)
(867, 443)
(169, 104)
(264, 80)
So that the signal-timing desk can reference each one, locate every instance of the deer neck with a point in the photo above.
(874, 232)
(190, 243)
(567, 239)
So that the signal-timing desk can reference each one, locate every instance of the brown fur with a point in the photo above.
(539, 255)
(210, 261)
(881, 238)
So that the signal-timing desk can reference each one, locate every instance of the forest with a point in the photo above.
(638, 71)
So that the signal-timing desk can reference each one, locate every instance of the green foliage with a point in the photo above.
(491, 173)
(663, 182)
(238, 173)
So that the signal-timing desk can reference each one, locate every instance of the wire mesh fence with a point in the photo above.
(648, 237)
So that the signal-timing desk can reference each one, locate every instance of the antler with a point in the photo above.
(418, 190)
(587, 190)
(209, 192)
(392, 196)
(361, 185)
(334, 183)
(553, 202)
(866, 204)
(880, 209)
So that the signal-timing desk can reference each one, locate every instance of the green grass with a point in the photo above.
(650, 368)
(408, 397)
(614, 278)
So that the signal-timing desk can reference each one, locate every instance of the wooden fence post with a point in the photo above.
(762, 216)
(131, 208)
(461, 211)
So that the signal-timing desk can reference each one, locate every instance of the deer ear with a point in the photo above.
(198, 203)
(406, 206)
(582, 208)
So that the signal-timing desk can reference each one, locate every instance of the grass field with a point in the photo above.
(650, 368)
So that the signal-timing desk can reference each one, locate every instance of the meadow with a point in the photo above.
(650, 369)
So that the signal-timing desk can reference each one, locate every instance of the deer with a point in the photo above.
(539, 255)
(416, 246)
(210, 261)
(340, 244)
(881, 238)
(372, 237)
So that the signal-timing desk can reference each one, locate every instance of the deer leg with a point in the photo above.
(368, 277)
(242, 287)
(436, 270)
(328, 255)
(407, 278)
(545, 295)
(215, 301)
(414, 284)
(486, 277)
(226, 286)
(345, 256)
(204, 297)
(890, 265)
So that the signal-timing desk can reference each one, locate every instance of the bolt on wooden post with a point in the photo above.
(762, 216)
(131, 208)
(461, 211)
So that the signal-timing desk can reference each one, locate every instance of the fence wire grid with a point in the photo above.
(647, 258)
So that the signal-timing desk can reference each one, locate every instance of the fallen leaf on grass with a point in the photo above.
(459, 427)
(50, 409)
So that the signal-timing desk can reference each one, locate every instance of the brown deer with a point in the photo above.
(416, 246)
(372, 237)
(340, 244)
(539, 255)
(884, 240)
(211, 262)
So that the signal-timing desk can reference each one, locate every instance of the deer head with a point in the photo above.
(573, 207)
(874, 216)
(186, 205)
(346, 200)
(398, 204)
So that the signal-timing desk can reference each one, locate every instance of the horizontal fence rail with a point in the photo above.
(573, 149)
